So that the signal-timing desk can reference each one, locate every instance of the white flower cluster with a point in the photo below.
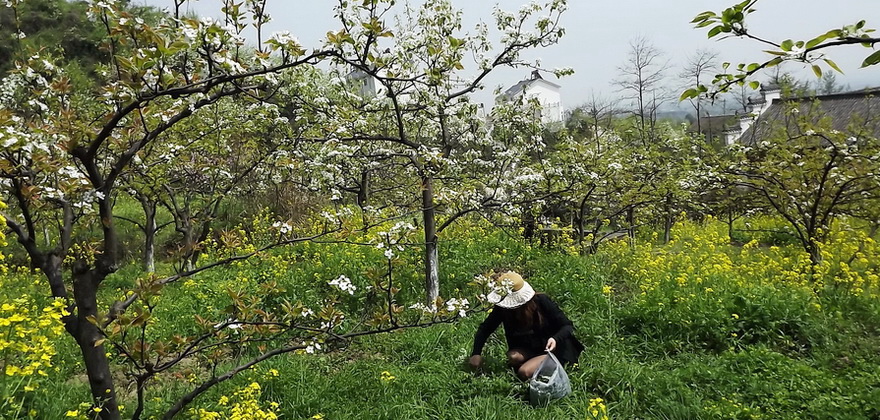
(283, 227)
(173, 152)
(312, 347)
(88, 198)
(344, 284)
(795, 52)
(393, 237)
(424, 308)
(231, 323)
(284, 38)
(459, 305)
(337, 216)
(502, 288)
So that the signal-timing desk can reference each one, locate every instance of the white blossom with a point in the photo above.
(312, 347)
(283, 227)
(424, 308)
(344, 284)
(460, 305)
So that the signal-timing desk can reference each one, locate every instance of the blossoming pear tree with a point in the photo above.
(70, 150)
(810, 172)
(426, 119)
(65, 150)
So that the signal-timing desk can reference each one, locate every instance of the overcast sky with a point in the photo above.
(598, 33)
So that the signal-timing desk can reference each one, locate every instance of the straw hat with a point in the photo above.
(510, 291)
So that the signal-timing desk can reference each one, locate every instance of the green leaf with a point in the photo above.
(715, 31)
(786, 45)
(872, 59)
(817, 70)
(688, 94)
(705, 23)
(754, 84)
(774, 62)
(816, 41)
(703, 16)
(833, 65)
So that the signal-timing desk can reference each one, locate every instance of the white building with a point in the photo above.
(365, 84)
(770, 95)
(545, 92)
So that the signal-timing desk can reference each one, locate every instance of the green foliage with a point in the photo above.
(807, 171)
(61, 26)
(693, 329)
(732, 22)
(192, 125)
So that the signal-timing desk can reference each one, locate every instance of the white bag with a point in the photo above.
(549, 382)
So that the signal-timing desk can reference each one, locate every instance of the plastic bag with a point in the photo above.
(549, 382)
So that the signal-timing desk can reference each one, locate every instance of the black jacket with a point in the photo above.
(533, 339)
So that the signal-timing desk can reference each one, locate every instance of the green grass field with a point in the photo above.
(695, 329)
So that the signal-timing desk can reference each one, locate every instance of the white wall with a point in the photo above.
(550, 100)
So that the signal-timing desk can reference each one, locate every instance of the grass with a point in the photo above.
(741, 337)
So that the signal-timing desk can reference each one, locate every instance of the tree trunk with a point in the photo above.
(631, 222)
(363, 197)
(581, 214)
(207, 216)
(150, 229)
(528, 224)
(631, 226)
(814, 251)
(188, 246)
(432, 278)
(203, 236)
(51, 266)
(667, 223)
(86, 334)
(730, 223)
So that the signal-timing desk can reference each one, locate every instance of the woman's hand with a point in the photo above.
(551, 344)
(475, 361)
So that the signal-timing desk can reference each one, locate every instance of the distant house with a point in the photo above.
(365, 84)
(857, 111)
(546, 93)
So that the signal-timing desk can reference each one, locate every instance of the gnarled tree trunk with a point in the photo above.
(432, 277)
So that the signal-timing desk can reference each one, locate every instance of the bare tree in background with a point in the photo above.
(742, 98)
(829, 85)
(592, 118)
(698, 66)
(641, 78)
